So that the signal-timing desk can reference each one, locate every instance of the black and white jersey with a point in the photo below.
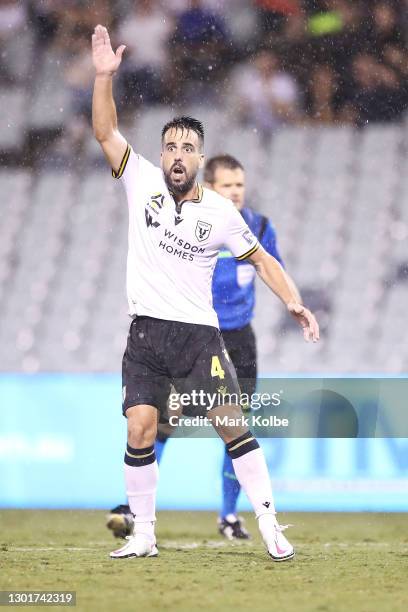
(173, 247)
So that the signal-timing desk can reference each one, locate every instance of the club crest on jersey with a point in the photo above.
(202, 230)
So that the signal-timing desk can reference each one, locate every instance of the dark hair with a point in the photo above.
(185, 123)
(220, 161)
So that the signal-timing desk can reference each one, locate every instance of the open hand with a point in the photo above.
(306, 320)
(104, 59)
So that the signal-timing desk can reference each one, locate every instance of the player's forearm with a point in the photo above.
(275, 277)
(293, 287)
(104, 118)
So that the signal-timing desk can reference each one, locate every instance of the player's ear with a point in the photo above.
(202, 161)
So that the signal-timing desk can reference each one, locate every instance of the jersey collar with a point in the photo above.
(200, 192)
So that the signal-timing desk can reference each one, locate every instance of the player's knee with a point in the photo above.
(229, 422)
(140, 436)
(142, 430)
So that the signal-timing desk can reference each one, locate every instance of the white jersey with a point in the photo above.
(173, 248)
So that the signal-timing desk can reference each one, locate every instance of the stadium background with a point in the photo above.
(326, 159)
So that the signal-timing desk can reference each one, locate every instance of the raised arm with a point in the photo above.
(273, 275)
(104, 118)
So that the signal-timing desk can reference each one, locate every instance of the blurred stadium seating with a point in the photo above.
(336, 194)
(342, 231)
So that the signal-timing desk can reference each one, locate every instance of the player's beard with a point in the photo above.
(179, 188)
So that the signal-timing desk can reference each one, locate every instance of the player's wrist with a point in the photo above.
(104, 73)
(294, 304)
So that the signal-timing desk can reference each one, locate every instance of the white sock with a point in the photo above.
(141, 485)
(253, 476)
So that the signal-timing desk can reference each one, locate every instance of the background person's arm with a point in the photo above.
(104, 118)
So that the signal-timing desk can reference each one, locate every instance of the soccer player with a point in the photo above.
(233, 289)
(176, 230)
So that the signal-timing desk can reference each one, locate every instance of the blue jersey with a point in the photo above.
(233, 286)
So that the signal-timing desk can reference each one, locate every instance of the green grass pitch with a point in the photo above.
(350, 562)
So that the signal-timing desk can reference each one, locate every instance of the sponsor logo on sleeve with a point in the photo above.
(248, 236)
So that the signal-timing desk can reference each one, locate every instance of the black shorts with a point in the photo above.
(241, 346)
(191, 358)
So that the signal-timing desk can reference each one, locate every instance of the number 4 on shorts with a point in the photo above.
(216, 369)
